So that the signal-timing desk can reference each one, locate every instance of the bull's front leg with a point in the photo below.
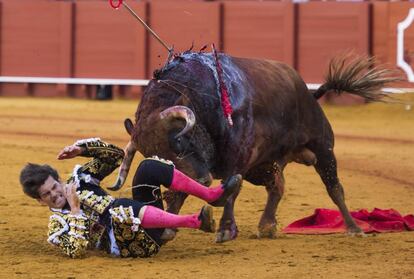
(175, 201)
(228, 228)
(275, 188)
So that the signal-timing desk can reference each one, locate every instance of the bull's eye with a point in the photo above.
(176, 145)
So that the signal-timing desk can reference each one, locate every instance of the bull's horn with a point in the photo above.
(180, 112)
(130, 150)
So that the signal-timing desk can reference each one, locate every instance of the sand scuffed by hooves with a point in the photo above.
(375, 153)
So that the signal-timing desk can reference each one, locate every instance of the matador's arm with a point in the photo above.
(70, 233)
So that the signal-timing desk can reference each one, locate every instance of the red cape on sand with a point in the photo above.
(325, 221)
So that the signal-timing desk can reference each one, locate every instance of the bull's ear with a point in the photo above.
(129, 127)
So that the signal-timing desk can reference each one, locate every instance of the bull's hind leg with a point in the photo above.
(327, 168)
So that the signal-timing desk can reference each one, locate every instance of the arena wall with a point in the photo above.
(89, 39)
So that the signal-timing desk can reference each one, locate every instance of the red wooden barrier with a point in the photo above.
(262, 30)
(34, 43)
(180, 23)
(87, 38)
(109, 43)
(326, 29)
(386, 17)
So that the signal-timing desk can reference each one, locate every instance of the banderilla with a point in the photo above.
(131, 11)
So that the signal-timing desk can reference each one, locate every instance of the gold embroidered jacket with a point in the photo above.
(101, 224)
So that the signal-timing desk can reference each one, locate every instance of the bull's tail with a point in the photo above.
(358, 76)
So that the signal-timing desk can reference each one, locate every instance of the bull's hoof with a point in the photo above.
(268, 231)
(356, 232)
(228, 231)
(168, 235)
(226, 235)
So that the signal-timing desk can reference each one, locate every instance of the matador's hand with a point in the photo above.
(69, 152)
(72, 197)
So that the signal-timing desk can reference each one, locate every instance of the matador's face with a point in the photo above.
(51, 193)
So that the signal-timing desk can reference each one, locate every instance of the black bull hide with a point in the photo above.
(276, 121)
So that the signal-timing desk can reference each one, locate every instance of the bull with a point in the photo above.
(276, 120)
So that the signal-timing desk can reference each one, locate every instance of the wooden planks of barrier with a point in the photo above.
(108, 44)
(88, 39)
(35, 43)
(182, 23)
(326, 29)
(263, 31)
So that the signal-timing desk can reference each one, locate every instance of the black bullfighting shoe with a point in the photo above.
(231, 186)
(208, 224)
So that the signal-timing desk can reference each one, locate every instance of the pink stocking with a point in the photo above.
(157, 218)
(183, 183)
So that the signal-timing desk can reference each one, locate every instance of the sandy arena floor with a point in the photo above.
(375, 152)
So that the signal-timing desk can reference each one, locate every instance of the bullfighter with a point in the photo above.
(84, 216)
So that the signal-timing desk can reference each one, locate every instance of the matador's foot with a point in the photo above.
(208, 224)
(231, 186)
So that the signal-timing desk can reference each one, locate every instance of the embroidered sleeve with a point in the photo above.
(69, 233)
(98, 203)
(106, 157)
(125, 216)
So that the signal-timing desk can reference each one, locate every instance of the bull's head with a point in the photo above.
(170, 134)
(174, 119)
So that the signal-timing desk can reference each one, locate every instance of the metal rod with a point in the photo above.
(147, 27)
